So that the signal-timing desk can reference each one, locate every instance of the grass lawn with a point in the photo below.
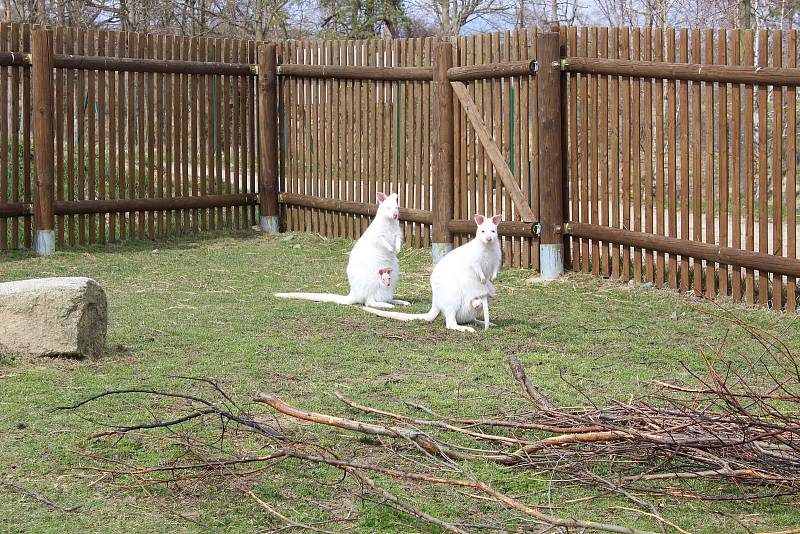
(203, 307)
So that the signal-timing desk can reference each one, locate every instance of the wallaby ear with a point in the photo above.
(381, 197)
(479, 219)
(496, 219)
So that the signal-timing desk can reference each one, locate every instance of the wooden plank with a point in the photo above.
(585, 170)
(226, 133)
(459, 146)
(154, 204)
(602, 262)
(91, 118)
(15, 134)
(116, 134)
(697, 72)
(219, 138)
(526, 124)
(749, 158)
(763, 168)
(144, 65)
(358, 72)
(307, 222)
(313, 132)
(722, 53)
(59, 117)
(636, 165)
(695, 249)
(512, 132)
(722, 58)
(647, 155)
(776, 246)
(697, 165)
(416, 161)
(151, 140)
(121, 131)
(493, 152)
(672, 171)
(336, 176)
(614, 185)
(194, 107)
(101, 132)
(427, 139)
(594, 173)
(141, 133)
(159, 135)
(626, 153)
(252, 122)
(69, 43)
(403, 130)
(27, 112)
(131, 124)
(4, 181)
(327, 131)
(791, 171)
(658, 143)
(169, 129)
(709, 149)
(359, 174)
(534, 140)
(498, 118)
(80, 107)
(684, 148)
(736, 166)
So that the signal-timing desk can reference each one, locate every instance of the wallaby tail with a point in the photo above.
(317, 297)
(430, 316)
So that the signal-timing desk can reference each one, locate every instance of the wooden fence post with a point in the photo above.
(268, 138)
(551, 211)
(42, 80)
(443, 175)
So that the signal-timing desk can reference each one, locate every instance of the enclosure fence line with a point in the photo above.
(654, 155)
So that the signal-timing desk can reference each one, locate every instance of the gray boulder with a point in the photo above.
(53, 317)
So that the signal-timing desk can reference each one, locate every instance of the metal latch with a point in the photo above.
(537, 229)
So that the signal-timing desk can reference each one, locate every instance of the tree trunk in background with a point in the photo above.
(745, 10)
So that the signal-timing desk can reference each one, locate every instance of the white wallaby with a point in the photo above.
(375, 251)
(462, 281)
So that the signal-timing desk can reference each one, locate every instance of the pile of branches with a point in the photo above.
(737, 425)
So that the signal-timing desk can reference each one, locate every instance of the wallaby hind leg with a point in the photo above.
(451, 324)
(397, 302)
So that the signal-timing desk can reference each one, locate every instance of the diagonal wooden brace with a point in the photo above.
(494, 153)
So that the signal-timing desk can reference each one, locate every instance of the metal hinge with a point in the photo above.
(562, 64)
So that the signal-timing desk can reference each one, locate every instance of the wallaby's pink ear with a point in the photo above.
(479, 219)
(381, 197)
(496, 219)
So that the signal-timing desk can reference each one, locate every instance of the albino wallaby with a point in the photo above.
(462, 281)
(375, 250)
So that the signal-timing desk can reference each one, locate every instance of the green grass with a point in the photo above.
(203, 306)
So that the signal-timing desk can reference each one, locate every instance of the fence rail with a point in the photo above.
(674, 151)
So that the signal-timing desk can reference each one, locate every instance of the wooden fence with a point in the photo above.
(674, 151)
(688, 152)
